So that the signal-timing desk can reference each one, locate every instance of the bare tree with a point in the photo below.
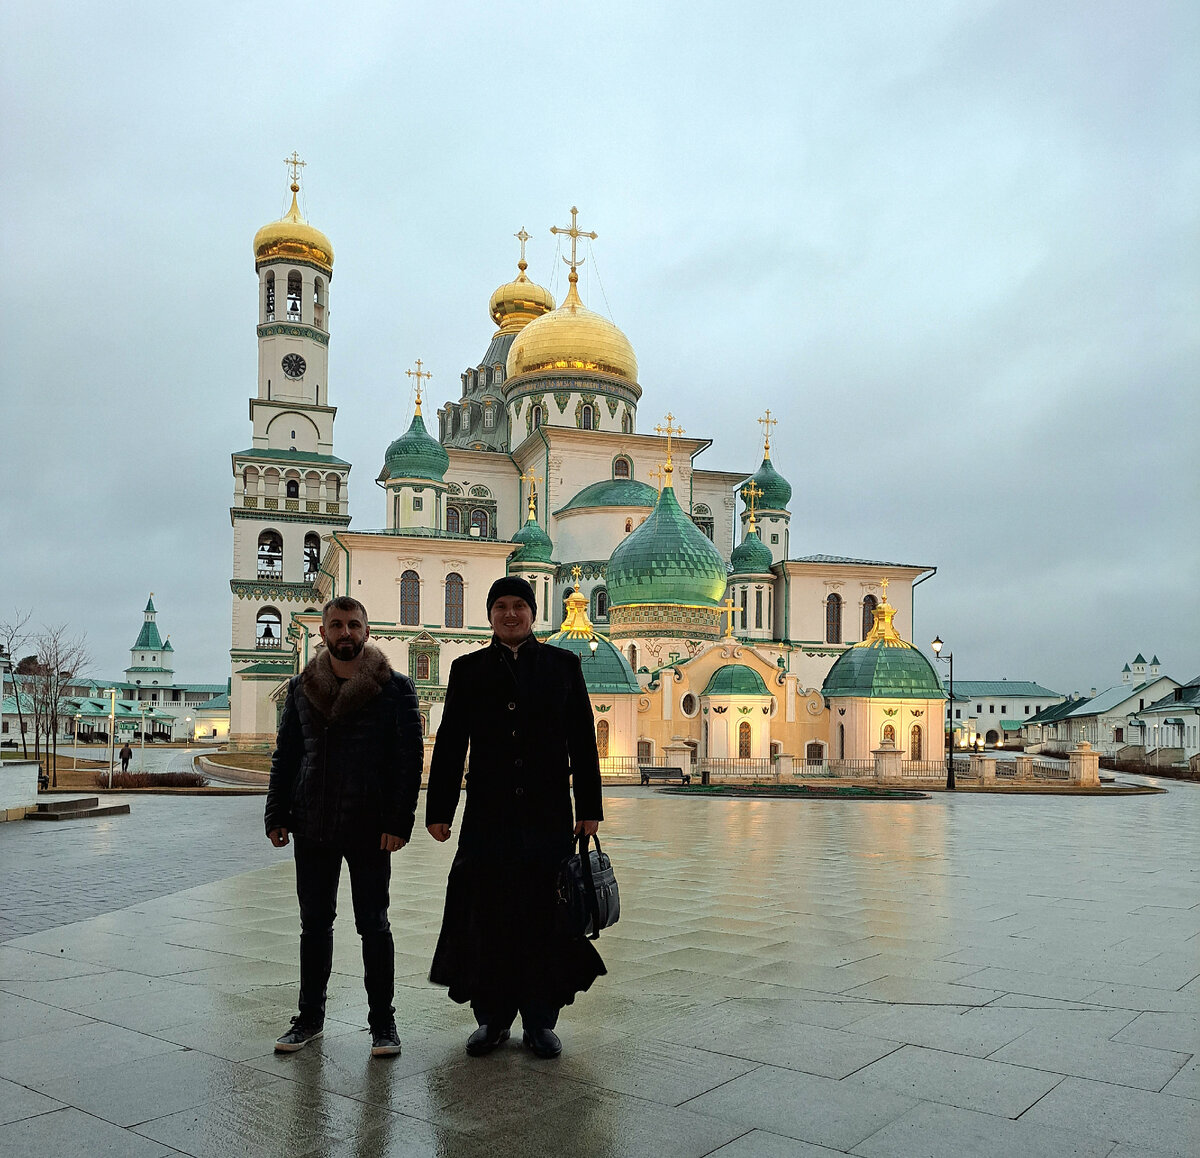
(13, 636)
(62, 659)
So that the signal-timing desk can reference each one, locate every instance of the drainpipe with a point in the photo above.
(912, 609)
(334, 536)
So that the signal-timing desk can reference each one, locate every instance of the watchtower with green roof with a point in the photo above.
(151, 658)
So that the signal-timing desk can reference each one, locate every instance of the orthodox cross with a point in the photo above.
(657, 475)
(669, 430)
(576, 572)
(574, 233)
(295, 164)
(522, 237)
(884, 584)
(750, 493)
(728, 612)
(418, 374)
(533, 480)
(767, 422)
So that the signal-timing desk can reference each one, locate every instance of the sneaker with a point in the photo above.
(301, 1033)
(385, 1041)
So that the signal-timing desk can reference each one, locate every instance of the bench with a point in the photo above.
(648, 773)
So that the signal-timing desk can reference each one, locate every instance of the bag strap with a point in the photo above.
(589, 882)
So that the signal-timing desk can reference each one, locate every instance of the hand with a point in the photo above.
(587, 827)
(389, 843)
(439, 832)
(278, 837)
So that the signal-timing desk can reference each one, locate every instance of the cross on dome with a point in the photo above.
(767, 422)
(576, 574)
(728, 611)
(574, 233)
(668, 430)
(522, 237)
(295, 164)
(532, 479)
(418, 374)
(750, 493)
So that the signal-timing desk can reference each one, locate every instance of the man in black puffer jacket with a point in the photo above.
(344, 781)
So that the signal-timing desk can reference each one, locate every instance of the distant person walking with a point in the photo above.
(344, 781)
(522, 707)
(126, 754)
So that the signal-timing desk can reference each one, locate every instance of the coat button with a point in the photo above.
(518, 762)
(520, 791)
(512, 707)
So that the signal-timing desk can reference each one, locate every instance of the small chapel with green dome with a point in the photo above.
(708, 627)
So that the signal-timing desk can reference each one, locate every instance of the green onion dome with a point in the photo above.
(416, 454)
(776, 490)
(668, 559)
(883, 667)
(613, 492)
(736, 679)
(751, 556)
(605, 671)
(533, 544)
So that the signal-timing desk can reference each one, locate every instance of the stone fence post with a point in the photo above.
(1024, 767)
(1084, 764)
(888, 760)
(784, 767)
(984, 768)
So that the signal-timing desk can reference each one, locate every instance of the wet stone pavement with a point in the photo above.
(964, 975)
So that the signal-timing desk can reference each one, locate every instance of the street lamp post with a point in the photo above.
(142, 758)
(112, 732)
(937, 646)
(187, 736)
(75, 742)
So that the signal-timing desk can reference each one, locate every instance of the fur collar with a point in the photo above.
(337, 701)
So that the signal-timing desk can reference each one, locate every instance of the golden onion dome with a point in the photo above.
(291, 238)
(570, 338)
(517, 303)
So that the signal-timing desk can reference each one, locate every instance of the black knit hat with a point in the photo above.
(511, 585)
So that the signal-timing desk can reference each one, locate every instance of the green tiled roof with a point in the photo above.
(613, 492)
(1012, 725)
(970, 688)
(416, 454)
(605, 673)
(736, 679)
(148, 638)
(751, 556)
(150, 602)
(1056, 711)
(776, 490)
(217, 704)
(290, 456)
(533, 544)
(668, 559)
(883, 670)
(264, 668)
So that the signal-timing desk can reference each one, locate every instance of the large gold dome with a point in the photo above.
(517, 303)
(291, 237)
(572, 337)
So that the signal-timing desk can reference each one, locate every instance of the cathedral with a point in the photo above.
(697, 645)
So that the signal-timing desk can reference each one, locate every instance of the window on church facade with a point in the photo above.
(269, 298)
(293, 296)
(744, 608)
(293, 487)
(537, 417)
(626, 423)
(270, 555)
(631, 655)
(479, 519)
(914, 742)
(600, 599)
(645, 751)
(814, 752)
(743, 741)
(422, 666)
(319, 303)
(602, 739)
(410, 599)
(869, 605)
(586, 420)
(452, 520)
(833, 618)
(312, 556)
(758, 609)
(621, 467)
(489, 418)
(268, 628)
(841, 741)
(454, 600)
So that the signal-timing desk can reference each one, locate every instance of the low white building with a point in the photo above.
(995, 709)
(1170, 726)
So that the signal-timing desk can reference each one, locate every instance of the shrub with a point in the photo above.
(152, 780)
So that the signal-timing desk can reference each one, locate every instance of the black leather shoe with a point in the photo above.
(543, 1042)
(485, 1039)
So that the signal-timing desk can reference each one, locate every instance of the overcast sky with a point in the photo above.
(952, 246)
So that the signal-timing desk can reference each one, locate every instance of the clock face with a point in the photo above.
(293, 365)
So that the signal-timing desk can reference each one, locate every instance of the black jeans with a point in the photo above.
(318, 867)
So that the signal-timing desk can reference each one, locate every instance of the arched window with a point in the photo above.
(587, 418)
(869, 605)
(312, 556)
(814, 752)
(410, 599)
(452, 520)
(489, 418)
(889, 735)
(268, 628)
(833, 618)
(600, 603)
(422, 666)
(631, 655)
(479, 519)
(602, 738)
(622, 468)
(293, 488)
(269, 298)
(270, 555)
(744, 598)
(454, 600)
(318, 303)
(293, 298)
(744, 740)
(914, 742)
(536, 416)
(841, 741)
(626, 423)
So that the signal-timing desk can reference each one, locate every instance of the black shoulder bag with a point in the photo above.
(588, 898)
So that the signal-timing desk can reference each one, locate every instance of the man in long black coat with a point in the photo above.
(523, 709)
(344, 781)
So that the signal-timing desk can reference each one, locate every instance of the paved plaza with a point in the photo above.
(963, 975)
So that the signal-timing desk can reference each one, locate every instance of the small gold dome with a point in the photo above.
(572, 337)
(517, 303)
(291, 237)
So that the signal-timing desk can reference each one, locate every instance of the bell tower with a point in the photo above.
(290, 491)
